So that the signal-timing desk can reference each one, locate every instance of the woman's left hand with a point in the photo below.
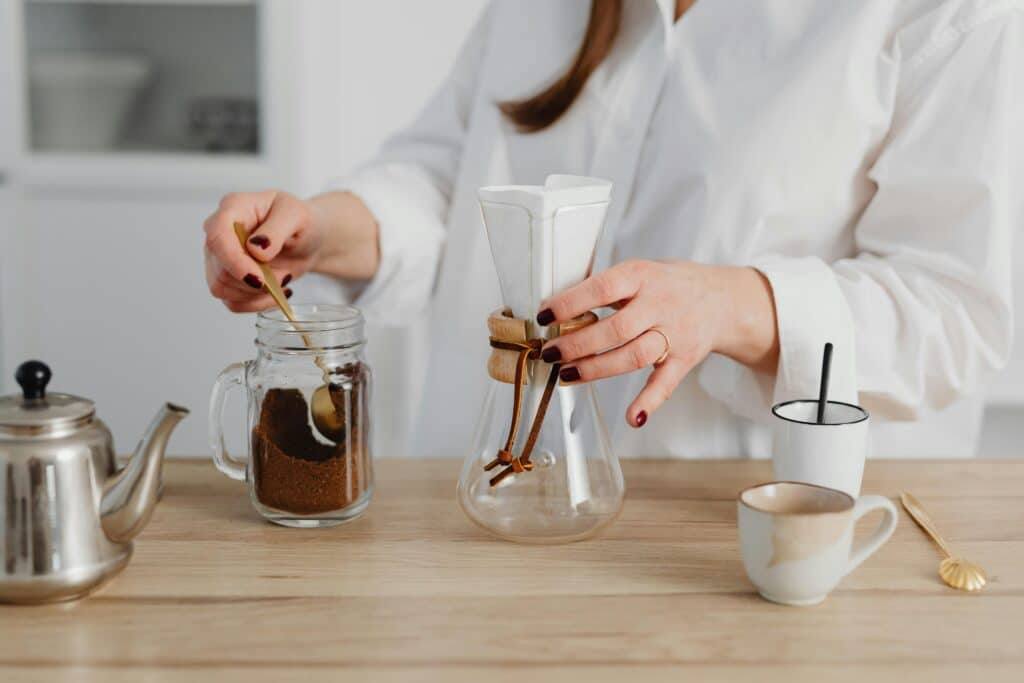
(671, 314)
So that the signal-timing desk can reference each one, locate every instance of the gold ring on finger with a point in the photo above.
(668, 345)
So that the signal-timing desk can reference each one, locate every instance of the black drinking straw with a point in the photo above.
(826, 369)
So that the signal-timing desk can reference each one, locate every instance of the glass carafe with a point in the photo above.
(298, 476)
(541, 468)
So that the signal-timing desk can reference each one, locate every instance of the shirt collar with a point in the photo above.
(667, 10)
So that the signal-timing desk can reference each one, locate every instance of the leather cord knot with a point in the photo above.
(508, 334)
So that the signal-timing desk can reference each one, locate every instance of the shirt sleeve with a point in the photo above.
(408, 188)
(926, 301)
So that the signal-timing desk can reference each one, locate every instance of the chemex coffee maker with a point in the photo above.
(67, 513)
(541, 467)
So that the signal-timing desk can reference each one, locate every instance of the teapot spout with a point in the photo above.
(130, 495)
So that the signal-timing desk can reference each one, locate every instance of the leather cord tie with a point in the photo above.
(508, 335)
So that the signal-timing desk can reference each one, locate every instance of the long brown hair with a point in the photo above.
(539, 111)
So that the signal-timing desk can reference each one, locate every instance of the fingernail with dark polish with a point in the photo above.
(287, 294)
(569, 375)
(551, 355)
(261, 241)
(641, 418)
(286, 280)
(546, 317)
(253, 281)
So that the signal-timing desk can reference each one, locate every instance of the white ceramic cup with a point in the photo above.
(830, 454)
(797, 539)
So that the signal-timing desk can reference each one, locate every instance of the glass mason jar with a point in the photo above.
(306, 467)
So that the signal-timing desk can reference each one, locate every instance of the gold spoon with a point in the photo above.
(326, 416)
(958, 572)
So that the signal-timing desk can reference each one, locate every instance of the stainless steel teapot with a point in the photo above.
(67, 514)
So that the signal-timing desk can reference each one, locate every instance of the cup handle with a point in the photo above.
(232, 376)
(864, 505)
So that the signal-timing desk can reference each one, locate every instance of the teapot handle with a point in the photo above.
(232, 376)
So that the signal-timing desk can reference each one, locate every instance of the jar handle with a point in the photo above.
(232, 376)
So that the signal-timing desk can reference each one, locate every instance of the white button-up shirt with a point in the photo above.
(863, 155)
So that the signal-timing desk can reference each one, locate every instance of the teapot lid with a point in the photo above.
(36, 412)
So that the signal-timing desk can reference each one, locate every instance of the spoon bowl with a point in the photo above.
(328, 416)
(962, 574)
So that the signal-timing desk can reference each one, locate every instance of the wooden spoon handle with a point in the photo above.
(916, 511)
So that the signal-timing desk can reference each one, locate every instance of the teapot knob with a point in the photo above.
(33, 376)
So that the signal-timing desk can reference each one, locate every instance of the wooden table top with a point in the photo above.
(413, 591)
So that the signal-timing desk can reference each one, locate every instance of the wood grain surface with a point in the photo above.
(413, 591)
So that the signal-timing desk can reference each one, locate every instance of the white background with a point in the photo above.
(100, 264)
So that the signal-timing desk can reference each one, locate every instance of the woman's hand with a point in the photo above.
(333, 234)
(698, 309)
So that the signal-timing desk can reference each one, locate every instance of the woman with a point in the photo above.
(785, 174)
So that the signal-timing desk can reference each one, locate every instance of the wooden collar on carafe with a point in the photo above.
(510, 354)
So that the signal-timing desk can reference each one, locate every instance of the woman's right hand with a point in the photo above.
(334, 234)
(282, 233)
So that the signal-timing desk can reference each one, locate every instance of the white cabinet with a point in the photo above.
(100, 249)
(193, 94)
(122, 76)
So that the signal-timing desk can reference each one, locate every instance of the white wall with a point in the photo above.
(106, 283)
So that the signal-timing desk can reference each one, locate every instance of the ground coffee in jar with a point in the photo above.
(303, 471)
(297, 470)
